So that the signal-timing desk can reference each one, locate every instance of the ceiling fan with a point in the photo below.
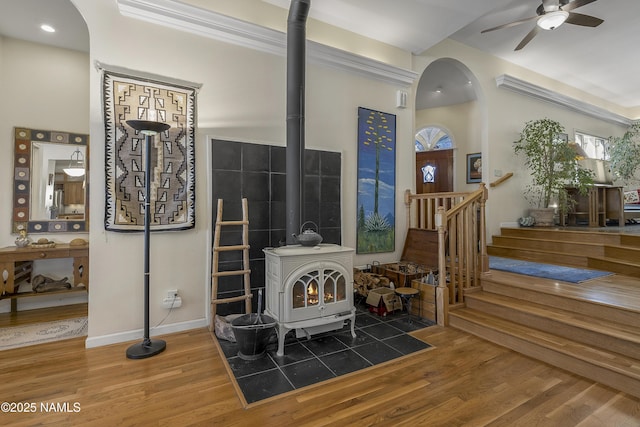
(550, 15)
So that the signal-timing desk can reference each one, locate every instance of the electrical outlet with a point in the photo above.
(173, 302)
(173, 293)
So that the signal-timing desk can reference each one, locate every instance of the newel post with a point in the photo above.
(442, 293)
(407, 204)
(484, 256)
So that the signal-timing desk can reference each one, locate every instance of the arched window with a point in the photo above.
(433, 138)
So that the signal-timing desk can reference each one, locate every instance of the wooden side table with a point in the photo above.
(13, 259)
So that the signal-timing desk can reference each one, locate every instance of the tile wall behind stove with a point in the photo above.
(258, 173)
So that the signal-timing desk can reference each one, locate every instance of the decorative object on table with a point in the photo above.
(526, 221)
(553, 166)
(43, 243)
(78, 242)
(376, 181)
(308, 237)
(22, 240)
(172, 155)
(37, 201)
(474, 168)
(41, 283)
(149, 129)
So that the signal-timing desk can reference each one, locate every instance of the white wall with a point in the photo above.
(242, 98)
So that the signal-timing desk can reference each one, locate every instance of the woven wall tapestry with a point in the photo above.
(172, 201)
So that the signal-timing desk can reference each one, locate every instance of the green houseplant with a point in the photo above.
(624, 153)
(553, 165)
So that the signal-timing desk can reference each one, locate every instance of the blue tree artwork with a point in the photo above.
(376, 181)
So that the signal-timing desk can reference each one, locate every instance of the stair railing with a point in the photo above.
(459, 219)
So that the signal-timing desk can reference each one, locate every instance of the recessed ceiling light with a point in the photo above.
(48, 28)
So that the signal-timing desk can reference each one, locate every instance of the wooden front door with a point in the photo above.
(435, 167)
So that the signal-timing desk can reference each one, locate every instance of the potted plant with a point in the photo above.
(553, 165)
(624, 153)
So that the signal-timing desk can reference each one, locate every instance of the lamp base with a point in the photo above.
(146, 349)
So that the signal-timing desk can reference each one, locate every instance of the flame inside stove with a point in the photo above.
(312, 293)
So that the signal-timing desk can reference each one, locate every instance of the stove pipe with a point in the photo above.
(296, 41)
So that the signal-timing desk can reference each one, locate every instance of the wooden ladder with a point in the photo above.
(245, 272)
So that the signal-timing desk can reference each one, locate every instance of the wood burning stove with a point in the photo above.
(309, 289)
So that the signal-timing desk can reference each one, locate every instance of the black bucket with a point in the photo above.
(252, 335)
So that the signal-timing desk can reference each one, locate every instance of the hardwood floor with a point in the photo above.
(462, 381)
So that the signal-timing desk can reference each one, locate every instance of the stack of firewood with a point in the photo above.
(363, 282)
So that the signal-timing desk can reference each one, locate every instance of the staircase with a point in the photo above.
(600, 250)
(590, 329)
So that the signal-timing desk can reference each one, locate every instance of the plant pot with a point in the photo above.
(544, 217)
(252, 332)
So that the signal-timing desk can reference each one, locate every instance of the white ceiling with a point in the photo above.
(602, 61)
(21, 19)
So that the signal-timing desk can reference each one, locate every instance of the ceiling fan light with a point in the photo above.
(552, 20)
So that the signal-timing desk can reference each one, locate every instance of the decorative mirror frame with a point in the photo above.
(22, 182)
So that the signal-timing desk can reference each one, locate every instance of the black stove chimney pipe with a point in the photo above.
(296, 57)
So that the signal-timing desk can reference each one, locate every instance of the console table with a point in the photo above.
(602, 202)
(16, 267)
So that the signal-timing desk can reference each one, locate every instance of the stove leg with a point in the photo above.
(353, 325)
(282, 332)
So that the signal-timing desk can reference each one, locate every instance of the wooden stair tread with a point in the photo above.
(539, 255)
(532, 251)
(616, 260)
(575, 235)
(615, 329)
(553, 239)
(627, 366)
(565, 290)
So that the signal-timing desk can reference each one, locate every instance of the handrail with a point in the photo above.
(459, 219)
(502, 179)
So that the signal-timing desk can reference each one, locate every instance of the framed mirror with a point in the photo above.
(50, 184)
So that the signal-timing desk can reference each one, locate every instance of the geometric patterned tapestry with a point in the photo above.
(172, 203)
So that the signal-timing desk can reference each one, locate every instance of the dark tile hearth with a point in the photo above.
(325, 356)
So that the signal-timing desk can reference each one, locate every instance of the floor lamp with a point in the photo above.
(147, 348)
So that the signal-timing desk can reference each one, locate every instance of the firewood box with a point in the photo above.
(419, 257)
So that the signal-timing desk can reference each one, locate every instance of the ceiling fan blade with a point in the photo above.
(584, 20)
(509, 25)
(528, 38)
(575, 4)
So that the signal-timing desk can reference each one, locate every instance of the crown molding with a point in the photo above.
(506, 81)
(206, 23)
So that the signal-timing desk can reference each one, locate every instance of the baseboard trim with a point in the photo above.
(137, 334)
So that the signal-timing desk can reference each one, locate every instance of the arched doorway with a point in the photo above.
(449, 124)
(434, 160)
